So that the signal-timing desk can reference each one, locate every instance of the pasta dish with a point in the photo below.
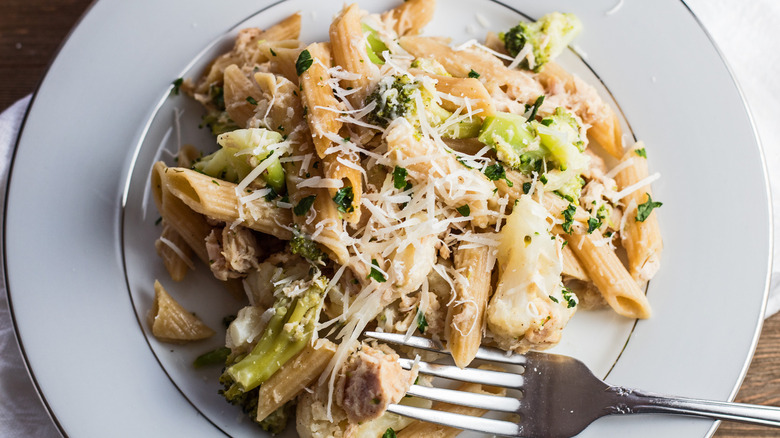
(472, 192)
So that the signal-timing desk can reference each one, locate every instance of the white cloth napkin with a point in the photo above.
(747, 34)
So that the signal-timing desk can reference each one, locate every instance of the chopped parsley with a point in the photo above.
(568, 218)
(303, 63)
(473, 74)
(158, 221)
(535, 108)
(389, 433)
(553, 299)
(176, 86)
(272, 52)
(304, 205)
(527, 240)
(526, 188)
(644, 210)
(495, 172)
(343, 199)
(375, 273)
(569, 297)
(464, 210)
(399, 179)
(593, 224)
(251, 100)
(422, 323)
(641, 152)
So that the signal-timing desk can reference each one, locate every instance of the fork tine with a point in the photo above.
(466, 422)
(491, 354)
(474, 375)
(474, 400)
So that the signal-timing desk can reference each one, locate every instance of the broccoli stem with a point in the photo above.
(286, 334)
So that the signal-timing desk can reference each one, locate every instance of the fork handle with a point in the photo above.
(630, 401)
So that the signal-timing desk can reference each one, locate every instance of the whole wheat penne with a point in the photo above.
(344, 167)
(410, 17)
(280, 108)
(174, 252)
(217, 199)
(459, 63)
(282, 56)
(348, 47)
(293, 377)
(321, 221)
(170, 322)
(466, 316)
(319, 103)
(642, 240)
(241, 95)
(464, 88)
(572, 266)
(287, 29)
(609, 275)
(191, 226)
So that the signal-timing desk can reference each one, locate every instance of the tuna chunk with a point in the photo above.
(233, 252)
(371, 379)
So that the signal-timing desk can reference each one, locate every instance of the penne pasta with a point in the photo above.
(467, 316)
(321, 221)
(174, 252)
(641, 239)
(609, 275)
(189, 225)
(218, 200)
(411, 17)
(348, 47)
(318, 99)
(296, 375)
(240, 92)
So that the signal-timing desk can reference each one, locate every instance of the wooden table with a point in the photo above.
(32, 30)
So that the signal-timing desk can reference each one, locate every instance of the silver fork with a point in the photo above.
(554, 388)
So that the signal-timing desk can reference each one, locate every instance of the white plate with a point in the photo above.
(78, 230)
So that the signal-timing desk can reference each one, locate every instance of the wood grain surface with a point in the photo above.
(31, 32)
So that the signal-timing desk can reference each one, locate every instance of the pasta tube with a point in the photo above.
(641, 239)
(467, 314)
(609, 275)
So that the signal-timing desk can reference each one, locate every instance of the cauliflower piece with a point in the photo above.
(529, 308)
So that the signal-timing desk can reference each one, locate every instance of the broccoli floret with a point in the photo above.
(397, 96)
(514, 140)
(560, 134)
(302, 245)
(243, 150)
(548, 37)
(552, 145)
(287, 333)
(394, 97)
(277, 421)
